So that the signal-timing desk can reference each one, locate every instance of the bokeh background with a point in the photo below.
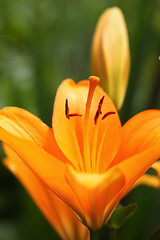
(43, 42)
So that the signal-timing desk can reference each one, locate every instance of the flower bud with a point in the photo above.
(110, 57)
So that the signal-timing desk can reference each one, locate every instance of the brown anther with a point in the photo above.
(107, 114)
(98, 112)
(74, 115)
(66, 108)
(100, 103)
(96, 117)
(71, 114)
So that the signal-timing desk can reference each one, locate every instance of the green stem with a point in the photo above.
(94, 235)
(112, 234)
(154, 234)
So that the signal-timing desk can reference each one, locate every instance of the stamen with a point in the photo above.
(98, 110)
(107, 114)
(71, 114)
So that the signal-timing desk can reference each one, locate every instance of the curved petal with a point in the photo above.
(60, 216)
(48, 168)
(140, 133)
(156, 166)
(94, 192)
(149, 180)
(104, 136)
(134, 167)
(26, 125)
(64, 128)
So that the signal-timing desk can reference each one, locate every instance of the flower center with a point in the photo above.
(89, 162)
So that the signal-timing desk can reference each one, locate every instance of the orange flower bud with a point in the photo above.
(110, 56)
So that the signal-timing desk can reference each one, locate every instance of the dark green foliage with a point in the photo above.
(121, 215)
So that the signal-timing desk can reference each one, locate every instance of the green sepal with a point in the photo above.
(121, 215)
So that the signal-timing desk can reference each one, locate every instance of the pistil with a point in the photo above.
(87, 158)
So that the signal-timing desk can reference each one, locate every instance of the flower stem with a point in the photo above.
(94, 235)
(112, 234)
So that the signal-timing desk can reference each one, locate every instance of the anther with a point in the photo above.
(107, 114)
(100, 104)
(71, 114)
(66, 108)
(74, 115)
(98, 112)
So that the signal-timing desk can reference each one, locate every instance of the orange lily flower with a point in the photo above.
(58, 214)
(88, 159)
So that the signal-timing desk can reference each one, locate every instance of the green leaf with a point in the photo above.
(155, 235)
(121, 215)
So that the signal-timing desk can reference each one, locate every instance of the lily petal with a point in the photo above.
(104, 137)
(34, 142)
(140, 133)
(24, 124)
(149, 180)
(60, 216)
(48, 168)
(94, 192)
(63, 128)
(156, 166)
(135, 166)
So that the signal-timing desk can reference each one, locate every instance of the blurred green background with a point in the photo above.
(43, 42)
